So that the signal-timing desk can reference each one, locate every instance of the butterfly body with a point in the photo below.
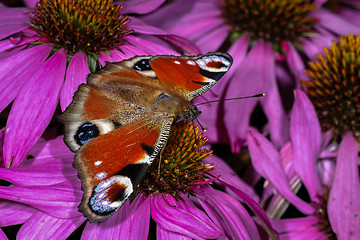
(120, 120)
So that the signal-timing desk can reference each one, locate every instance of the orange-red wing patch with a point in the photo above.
(181, 74)
(108, 154)
(96, 106)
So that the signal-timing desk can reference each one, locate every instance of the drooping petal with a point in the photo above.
(76, 74)
(57, 201)
(43, 226)
(228, 174)
(254, 206)
(180, 221)
(31, 112)
(13, 213)
(266, 161)
(228, 213)
(163, 234)
(306, 139)
(344, 204)
(186, 204)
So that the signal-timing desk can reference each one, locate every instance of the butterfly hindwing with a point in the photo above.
(110, 174)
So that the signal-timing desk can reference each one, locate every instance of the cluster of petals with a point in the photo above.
(44, 193)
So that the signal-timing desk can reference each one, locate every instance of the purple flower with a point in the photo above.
(45, 192)
(334, 209)
(262, 37)
(46, 52)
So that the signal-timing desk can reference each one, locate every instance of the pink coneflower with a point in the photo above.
(334, 210)
(262, 36)
(45, 191)
(46, 52)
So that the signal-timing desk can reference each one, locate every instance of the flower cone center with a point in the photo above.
(89, 26)
(334, 88)
(179, 167)
(271, 20)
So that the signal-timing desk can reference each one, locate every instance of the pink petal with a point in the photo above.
(104, 58)
(163, 234)
(296, 64)
(344, 204)
(18, 67)
(12, 20)
(56, 201)
(228, 213)
(13, 213)
(247, 80)
(2, 235)
(306, 139)
(140, 27)
(130, 222)
(254, 206)
(118, 55)
(141, 6)
(180, 221)
(76, 74)
(213, 40)
(30, 3)
(150, 48)
(271, 102)
(43, 226)
(335, 23)
(186, 204)
(228, 174)
(48, 151)
(266, 161)
(140, 214)
(187, 46)
(33, 109)
(294, 224)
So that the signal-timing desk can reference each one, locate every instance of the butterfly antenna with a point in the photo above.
(202, 128)
(230, 99)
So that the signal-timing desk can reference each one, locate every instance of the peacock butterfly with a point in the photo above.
(119, 121)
